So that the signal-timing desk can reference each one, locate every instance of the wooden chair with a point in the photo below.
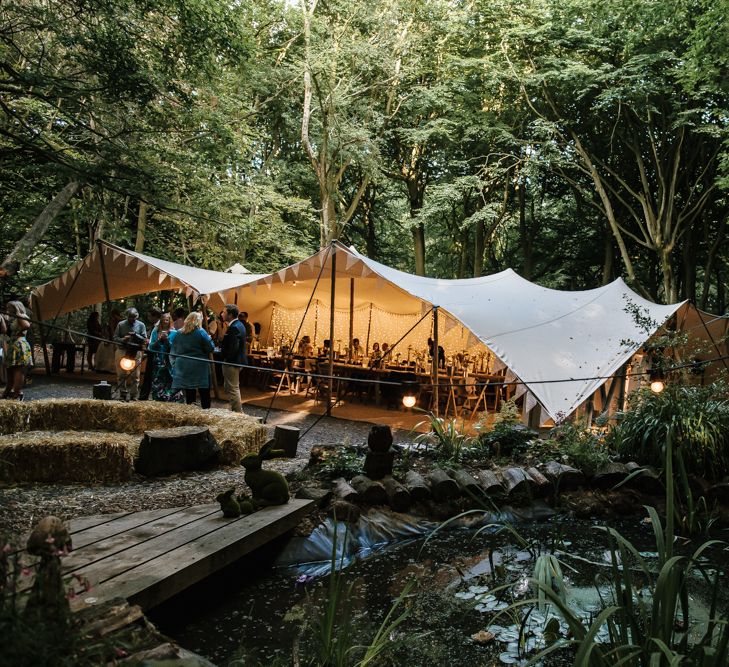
(469, 396)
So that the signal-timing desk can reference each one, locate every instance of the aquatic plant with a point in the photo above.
(646, 619)
(448, 441)
(331, 631)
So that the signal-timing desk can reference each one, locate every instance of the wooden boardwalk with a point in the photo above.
(147, 557)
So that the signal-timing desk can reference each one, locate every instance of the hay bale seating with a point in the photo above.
(43, 440)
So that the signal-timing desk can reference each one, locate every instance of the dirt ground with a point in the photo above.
(22, 506)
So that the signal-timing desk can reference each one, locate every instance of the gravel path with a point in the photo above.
(22, 506)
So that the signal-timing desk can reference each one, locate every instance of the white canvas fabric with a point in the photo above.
(129, 273)
(554, 341)
(561, 345)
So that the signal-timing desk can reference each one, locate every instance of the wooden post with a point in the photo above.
(621, 390)
(44, 346)
(369, 326)
(331, 331)
(104, 278)
(435, 360)
(351, 316)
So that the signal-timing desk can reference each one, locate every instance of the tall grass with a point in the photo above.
(645, 631)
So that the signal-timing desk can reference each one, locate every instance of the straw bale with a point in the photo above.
(67, 456)
(109, 424)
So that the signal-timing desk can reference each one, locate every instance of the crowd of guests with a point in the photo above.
(178, 350)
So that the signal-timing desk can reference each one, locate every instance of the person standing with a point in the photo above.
(233, 348)
(153, 318)
(19, 355)
(178, 318)
(129, 337)
(191, 348)
(160, 346)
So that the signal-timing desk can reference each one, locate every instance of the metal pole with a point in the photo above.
(435, 359)
(331, 332)
(105, 279)
(351, 316)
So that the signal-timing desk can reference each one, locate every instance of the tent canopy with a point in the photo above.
(130, 273)
(561, 345)
(554, 341)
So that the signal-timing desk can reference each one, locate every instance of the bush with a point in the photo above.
(698, 419)
(507, 439)
(581, 447)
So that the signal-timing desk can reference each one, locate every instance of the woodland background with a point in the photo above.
(573, 141)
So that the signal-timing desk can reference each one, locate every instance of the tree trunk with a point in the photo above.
(141, 226)
(19, 254)
(608, 257)
(463, 260)
(670, 292)
(478, 247)
(419, 249)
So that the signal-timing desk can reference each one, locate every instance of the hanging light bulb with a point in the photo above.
(658, 381)
(409, 397)
(127, 363)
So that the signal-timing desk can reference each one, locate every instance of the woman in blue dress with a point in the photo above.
(191, 349)
(160, 342)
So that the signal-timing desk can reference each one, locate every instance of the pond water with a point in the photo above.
(465, 581)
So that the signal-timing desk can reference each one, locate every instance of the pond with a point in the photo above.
(460, 609)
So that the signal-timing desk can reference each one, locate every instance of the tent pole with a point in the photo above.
(435, 360)
(44, 344)
(369, 326)
(105, 279)
(331, 332)
(621, 389)
(351, 316)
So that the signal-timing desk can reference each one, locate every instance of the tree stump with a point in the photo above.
(564, 477)
(542, 486)
(398, 496)
(442, 486)
(343, 491)
(172, 450)
(417, 486)
(379, 438)
(646, 481)
(341, 510)
(467, 484)
(321, 496)
(287, 438)
(490, 483)
(516, 482)
(379, 464)
(371, 492)
(609, 475)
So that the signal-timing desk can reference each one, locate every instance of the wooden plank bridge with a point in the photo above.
(147, 557)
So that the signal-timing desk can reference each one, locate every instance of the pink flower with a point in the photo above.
(71, 594)
(50, 539)
(25, 572)
(120, 652)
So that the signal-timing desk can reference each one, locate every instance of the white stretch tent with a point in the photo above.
(130, 273)
(540, 334)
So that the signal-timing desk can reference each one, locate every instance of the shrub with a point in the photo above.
(344, 462)
(583, 448)
(449, 444)
(507, 439)
(698, 419)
